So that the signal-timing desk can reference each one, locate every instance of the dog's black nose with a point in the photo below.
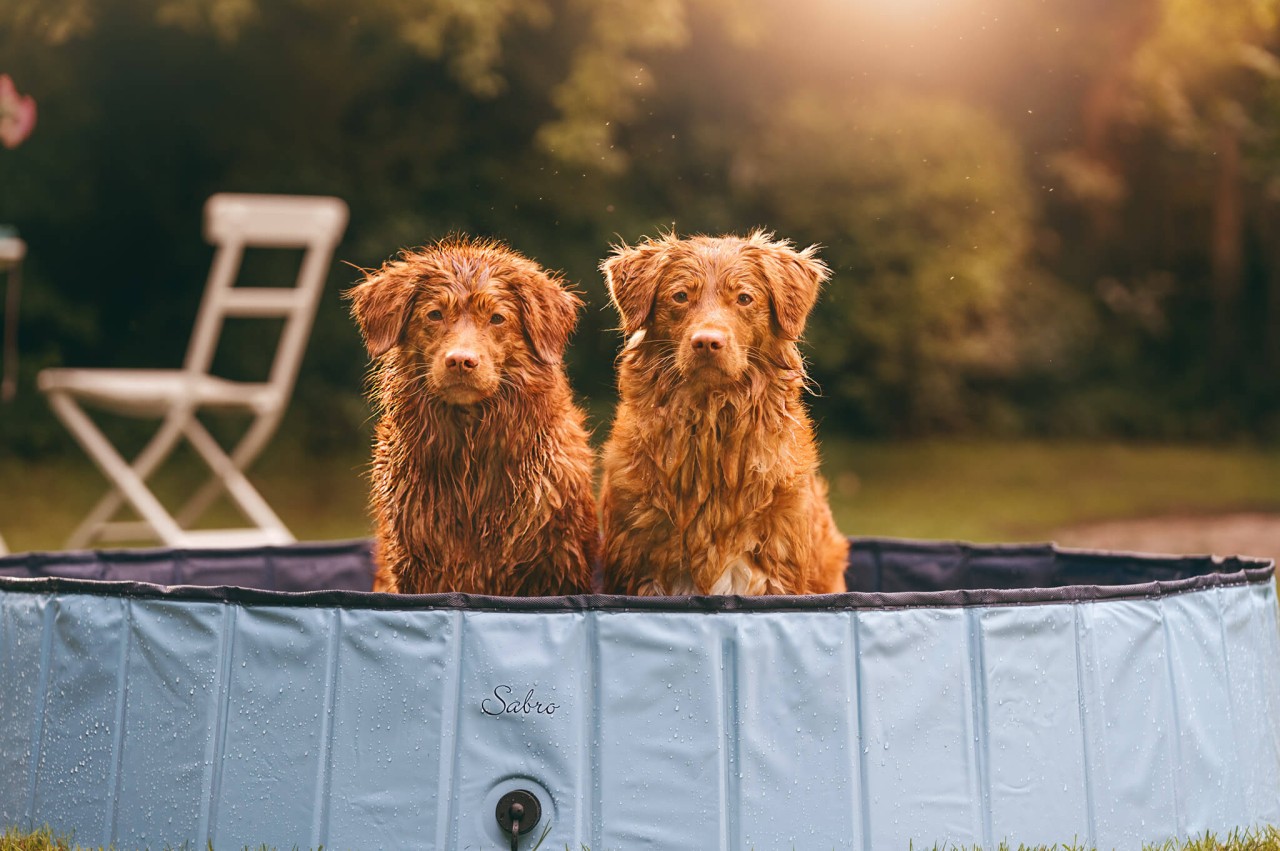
(708, 341)
(462, 360)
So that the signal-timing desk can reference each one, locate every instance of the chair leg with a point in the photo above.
(245, 496)
(251, 443)
(87, 532)
(152, 455)
(199, 503)
(125, 479)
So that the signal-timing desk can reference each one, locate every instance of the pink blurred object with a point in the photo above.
(17, 114)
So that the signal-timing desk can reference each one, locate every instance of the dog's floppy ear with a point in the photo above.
(793, 279)
(632, 277)
(549, 314)
(382, 305)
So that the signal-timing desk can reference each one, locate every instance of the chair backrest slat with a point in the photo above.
(234, 222)
(274, 221)
(264, 302)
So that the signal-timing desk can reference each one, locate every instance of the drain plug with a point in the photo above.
(518, 812)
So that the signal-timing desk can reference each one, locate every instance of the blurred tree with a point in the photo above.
(1105, 50)
(1201, 75)
(921, 142)
(50, 22)
(925, 214)
(604, 75)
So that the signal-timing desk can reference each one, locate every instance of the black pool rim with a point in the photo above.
(885, 573)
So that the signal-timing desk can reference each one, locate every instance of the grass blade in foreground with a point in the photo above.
(1260, 839)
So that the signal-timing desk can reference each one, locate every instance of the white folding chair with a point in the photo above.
(232, 223)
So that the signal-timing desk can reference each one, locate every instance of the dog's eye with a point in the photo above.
(680, 297)
(745, 298)
(435, 315)
(497, 319)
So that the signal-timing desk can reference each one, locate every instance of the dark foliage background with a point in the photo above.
(1049, 218)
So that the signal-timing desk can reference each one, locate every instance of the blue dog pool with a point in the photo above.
(958, 693)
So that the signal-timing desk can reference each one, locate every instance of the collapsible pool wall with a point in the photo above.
(1107, 699)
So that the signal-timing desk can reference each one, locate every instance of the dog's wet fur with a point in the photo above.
(482, 474)
(711, 481)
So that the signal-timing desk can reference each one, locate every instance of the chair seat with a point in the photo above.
(154, 392)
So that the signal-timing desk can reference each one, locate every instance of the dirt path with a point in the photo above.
(1229, 534)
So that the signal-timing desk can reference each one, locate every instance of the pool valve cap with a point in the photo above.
(518, 812)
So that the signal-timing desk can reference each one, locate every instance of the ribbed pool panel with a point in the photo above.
(272, 732)
(170, 712)
(145, 721)
(79, 752)
(781, 727)
(1035, 739)
(1132, 744)
(660, 773)
(387, 721)
(918, 733)
(24, 674)
(1204, 717)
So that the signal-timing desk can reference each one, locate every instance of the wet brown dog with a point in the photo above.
(710, 472)
(481, 467)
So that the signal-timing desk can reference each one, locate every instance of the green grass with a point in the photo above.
(971, 490)
(1264, 839)
(39, 840)
(318, 498)
(45, 839)
(1024, 490)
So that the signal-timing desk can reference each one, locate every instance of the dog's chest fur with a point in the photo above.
(724, 476)
(481, 505)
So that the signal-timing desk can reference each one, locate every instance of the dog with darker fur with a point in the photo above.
(482, 474)
(711, 481)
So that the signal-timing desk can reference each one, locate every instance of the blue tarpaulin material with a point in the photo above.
(958, 694)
